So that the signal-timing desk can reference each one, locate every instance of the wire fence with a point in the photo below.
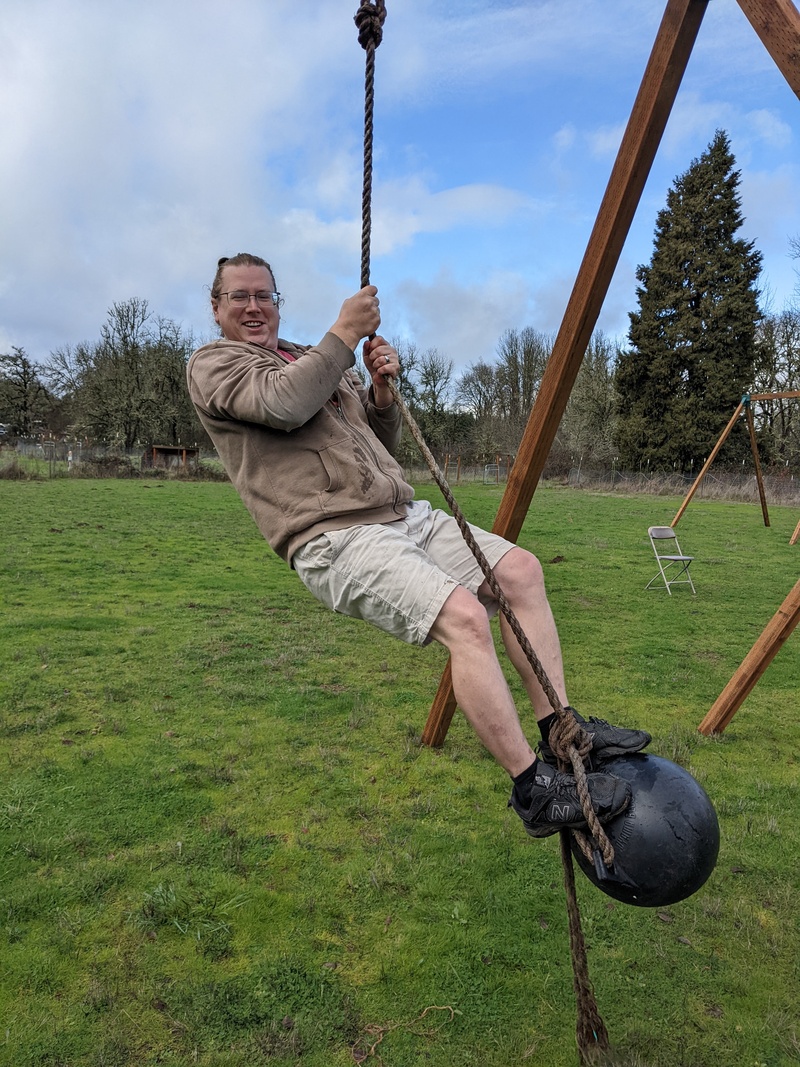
(64, 458)
(780, 487)
(55, 458)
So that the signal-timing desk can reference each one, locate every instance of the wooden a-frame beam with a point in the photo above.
(762, 496)
(723, 437)
(753, 665)
(777, 23)
(790, 394)
(663, 74)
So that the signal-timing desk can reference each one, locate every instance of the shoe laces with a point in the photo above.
(561, 783)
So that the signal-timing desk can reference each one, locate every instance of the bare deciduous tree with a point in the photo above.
(777, 370)
(587, 428)
(522, 358)
(129, 387)
(24, 400)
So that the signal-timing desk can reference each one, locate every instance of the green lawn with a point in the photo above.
(222, 844)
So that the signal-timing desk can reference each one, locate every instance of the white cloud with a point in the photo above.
(604, 142)
(551, 300)
(691, 126)
(564, 139)
(474, 41)
(141, 140)
(464, 322)
(772, 218)
(769, 128)
(406, 209)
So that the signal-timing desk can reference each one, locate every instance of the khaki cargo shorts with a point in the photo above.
(397, 575)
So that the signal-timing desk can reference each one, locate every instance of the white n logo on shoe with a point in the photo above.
(560, 812)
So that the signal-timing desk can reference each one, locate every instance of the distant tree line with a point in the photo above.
(482, 412)
(127, 388)
(698, 341)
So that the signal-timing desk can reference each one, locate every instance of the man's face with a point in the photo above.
(252, 321)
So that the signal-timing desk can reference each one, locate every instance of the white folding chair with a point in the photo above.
(673, 565)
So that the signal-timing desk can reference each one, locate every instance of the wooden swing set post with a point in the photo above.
(790, 394)
(754, 449)
(754, 664)
(777, 23)
(651, 109)
(707, 464)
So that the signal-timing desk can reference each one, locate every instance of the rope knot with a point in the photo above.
(369, 19)
(565, 732)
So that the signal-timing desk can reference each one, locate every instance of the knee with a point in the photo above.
(462, 622)
(520, 574)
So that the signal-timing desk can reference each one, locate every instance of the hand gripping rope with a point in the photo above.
(568, 740)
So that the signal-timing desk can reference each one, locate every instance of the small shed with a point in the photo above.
(170, 456)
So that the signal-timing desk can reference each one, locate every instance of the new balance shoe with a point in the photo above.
(607, 741)
(554, 803)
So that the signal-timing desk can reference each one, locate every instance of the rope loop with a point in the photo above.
(369, 19)
(567, 731)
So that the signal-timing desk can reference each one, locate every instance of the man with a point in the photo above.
(309, 450)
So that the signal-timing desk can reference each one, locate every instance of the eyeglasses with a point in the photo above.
(239, 298)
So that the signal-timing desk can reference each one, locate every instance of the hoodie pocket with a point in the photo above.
(333, 469)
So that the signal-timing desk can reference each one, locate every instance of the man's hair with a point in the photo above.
(241, 259)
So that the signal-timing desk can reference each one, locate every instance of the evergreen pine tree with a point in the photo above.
(692, 341)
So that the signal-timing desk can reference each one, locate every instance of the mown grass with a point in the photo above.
(222, 843)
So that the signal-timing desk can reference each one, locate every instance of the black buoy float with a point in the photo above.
(665, 843)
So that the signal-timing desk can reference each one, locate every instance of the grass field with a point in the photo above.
(222, 843)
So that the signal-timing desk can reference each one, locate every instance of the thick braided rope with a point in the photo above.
(591, 1034)
(568, 739)
(369, 18)
(590, 1030)
(569, 742)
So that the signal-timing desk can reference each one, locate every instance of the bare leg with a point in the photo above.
(550, 801)
(520, 576)
(478, 681)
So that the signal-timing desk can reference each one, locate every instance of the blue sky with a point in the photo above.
(142, 140)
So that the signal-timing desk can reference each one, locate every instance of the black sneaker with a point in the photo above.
(554, 803)
(607, 740)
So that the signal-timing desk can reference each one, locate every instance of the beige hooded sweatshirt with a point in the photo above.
(300, 437)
